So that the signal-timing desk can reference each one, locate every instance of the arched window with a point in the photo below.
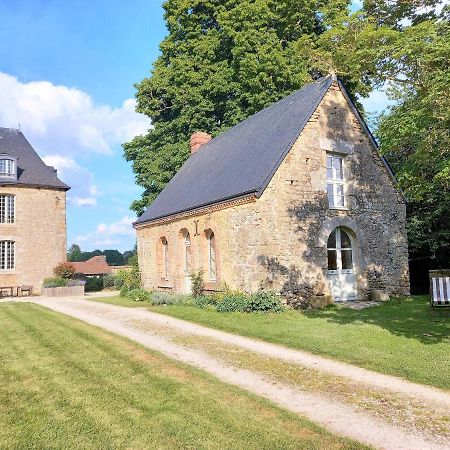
(212, 263)
(165, 258)
(7, 255)
(340, 252)
(7, 208)
(187, 252)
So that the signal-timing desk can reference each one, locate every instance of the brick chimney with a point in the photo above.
(198, 139)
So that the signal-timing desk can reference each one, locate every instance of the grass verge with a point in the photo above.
(66, 384)
(403, 337)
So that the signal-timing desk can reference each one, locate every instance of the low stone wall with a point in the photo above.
(66, 291)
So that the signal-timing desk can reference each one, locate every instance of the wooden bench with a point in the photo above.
(440, 288)
(15, 291)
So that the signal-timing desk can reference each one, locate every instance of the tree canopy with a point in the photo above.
(223, 60)
(113, 257)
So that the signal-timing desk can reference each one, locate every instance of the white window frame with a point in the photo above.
(187, 254)
(212, 258)
(10, 167)
(335, 181)
(7, 208)
(7, 255)
(338, 249)
(165, 256)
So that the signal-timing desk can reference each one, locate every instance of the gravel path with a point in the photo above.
(153, 330)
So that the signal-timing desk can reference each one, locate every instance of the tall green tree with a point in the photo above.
(221, 61)
(406, 49)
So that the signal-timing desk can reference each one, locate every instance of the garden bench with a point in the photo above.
(440, 287)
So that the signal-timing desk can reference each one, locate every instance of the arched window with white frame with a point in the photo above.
(212, 260)
(165, 258)
(187, 252)
(7, 166)
(340, 251)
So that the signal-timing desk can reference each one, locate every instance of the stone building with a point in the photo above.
(32, 214)
(295, 199)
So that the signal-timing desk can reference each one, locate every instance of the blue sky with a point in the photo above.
(66, 76)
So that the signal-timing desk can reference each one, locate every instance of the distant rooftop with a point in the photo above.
(31, 170)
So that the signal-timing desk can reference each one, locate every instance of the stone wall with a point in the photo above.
(279, 240)
(39, 233)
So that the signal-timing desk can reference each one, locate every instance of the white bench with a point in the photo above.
(440, 291)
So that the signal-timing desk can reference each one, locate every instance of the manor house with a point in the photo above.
(32, 214)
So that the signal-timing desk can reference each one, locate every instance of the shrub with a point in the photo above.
(55, 282)
(198, 283)
(236, 301)
(139, 295)
(264, 302)
(109, 280)
(93, 284)
(124, 291)
(64, 270)
(164, 298)
(204, 300)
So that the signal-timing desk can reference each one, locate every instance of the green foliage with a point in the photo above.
(127, 280)
(113, 257)
(204, 300)
(55, 282)
(139, 295)
(233, 302)
(109, 280)
(198, 283)
(221, 62)
(264, 302)
(93, 284)
(64, 270)
(163, 298)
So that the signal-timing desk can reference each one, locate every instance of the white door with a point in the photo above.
(341, 273)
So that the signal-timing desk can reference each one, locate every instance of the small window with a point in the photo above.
(7, 208)
(335, 182)
(165, 258)
(7, 255)
(7, 167)
(212, 265)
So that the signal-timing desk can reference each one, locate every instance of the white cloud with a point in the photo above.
(83, 190)
(115, 234)
(65, 121)
(64, 124)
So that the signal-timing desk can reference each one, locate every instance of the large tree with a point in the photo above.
(406, 49)
(221, 61)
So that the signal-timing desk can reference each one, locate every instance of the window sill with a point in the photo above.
(338, 208)
(213, 286)
(165, 284)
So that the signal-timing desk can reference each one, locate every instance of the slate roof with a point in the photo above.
(242, 160)
(96, 265)
(31, 170)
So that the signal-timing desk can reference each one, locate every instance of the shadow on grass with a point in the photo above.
(411, 317)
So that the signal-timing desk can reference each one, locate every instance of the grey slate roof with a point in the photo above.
(31, 170)
(242, 160)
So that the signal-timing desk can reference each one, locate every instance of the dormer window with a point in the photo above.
(7, 166)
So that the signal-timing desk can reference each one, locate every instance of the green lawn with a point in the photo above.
(400, 337)
(66, 384)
